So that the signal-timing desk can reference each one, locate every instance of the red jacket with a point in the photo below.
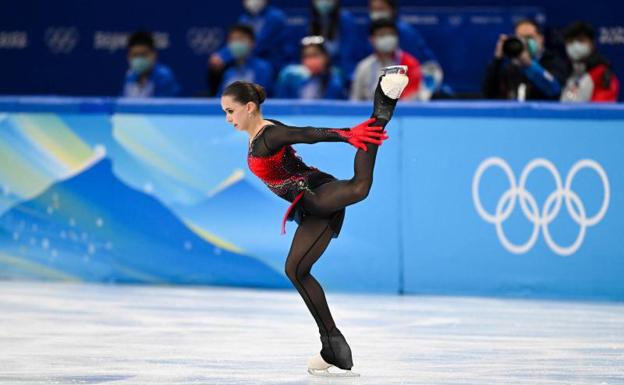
(606, 85)
(413, 73)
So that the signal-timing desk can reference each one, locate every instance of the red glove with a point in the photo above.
(361, 134)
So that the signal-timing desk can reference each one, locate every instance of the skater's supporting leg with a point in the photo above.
(310, 241)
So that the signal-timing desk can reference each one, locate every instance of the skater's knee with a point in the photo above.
(291, 272)
(294, 272)
(361, 187)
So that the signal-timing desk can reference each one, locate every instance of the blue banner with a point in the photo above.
(468, 198)
(79, 48)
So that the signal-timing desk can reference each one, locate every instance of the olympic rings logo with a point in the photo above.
(551, 208)
(61, 40)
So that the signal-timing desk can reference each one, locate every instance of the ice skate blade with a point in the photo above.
(332, 372)
(402, 70)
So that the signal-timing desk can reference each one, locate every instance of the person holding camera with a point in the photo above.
(522, 69)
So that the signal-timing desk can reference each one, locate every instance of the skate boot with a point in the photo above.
(391, 84)
(335, 357)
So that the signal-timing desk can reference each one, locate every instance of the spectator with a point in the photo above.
(592, 79)
(337, 26)
(246, 66)
(314, 78)
(146, 77)
(413, 43)
(268, 23)
(384, 38)
(523, 69)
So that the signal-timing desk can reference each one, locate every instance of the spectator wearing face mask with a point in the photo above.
(337, 26)
(522, 69)
(268, 23)
(592, 79)
(384, 38)
(314, 78)
(412, 42)
(245, 66)
(146, 77)
(409, 38)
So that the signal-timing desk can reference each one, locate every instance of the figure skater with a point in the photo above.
(318, 199)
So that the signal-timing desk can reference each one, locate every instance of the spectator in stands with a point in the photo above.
(412, 42)
(246, 66)
(385, 40)
(146, 77)
(314, 78)
(268, 23)
(337, 26)
(592, 79)
(522, 69)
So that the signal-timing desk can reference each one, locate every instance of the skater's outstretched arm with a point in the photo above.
(278, 135)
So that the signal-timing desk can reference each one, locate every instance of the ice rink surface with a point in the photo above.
(99, 334)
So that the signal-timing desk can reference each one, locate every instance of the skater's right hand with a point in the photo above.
(361, 134)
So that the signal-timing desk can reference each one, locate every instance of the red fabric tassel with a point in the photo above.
(290, 208)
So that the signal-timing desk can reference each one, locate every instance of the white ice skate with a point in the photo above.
(393, 81)
(318, 367)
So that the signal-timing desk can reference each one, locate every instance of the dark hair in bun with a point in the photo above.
(245, 92)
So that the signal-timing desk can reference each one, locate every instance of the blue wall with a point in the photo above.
(78, 48)
(468, 198)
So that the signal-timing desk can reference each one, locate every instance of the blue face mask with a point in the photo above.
(140, 64)
(239, 49)
(324, 7)
(532, 47)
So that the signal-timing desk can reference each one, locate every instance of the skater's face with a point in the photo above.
(237, 114)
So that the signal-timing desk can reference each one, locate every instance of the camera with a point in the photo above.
(513, 47)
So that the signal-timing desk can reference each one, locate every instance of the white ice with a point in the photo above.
(99, 334)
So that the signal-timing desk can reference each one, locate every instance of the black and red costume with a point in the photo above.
(318, 202)
(272, 159)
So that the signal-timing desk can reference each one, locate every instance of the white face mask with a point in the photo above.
(386, 43)
(380, 15)
(578, 51)
(254, 6)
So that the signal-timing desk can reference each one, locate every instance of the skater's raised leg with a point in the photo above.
(333, 196)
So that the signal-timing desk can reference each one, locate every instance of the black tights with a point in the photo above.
(314, 233)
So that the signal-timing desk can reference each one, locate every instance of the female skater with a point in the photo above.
(317, 199)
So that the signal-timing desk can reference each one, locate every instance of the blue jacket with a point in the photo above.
(346, 54)
(160, 83)
(253, 70)
(269, 27)
(296, 82)
(413, 42)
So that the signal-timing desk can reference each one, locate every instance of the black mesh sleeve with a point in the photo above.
(276, 136)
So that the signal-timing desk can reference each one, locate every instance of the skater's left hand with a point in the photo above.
(361, 134)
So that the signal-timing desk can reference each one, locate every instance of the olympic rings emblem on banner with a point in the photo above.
(540, 219)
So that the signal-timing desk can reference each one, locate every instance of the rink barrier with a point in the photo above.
(449, 212)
